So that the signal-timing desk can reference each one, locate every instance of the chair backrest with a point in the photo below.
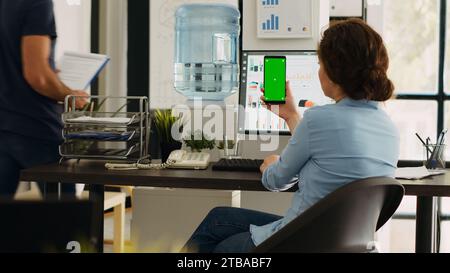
(46, 226)
(344, 221)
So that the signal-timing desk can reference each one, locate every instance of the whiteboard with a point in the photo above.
(346, 8)
(287, 19)
(162, 32)
(251, 24)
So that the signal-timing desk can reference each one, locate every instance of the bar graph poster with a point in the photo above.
(284, 19)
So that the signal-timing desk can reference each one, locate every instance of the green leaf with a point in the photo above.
(99, 106)
(164, 122)
(197, 144)
(87, 107)
(120, 109)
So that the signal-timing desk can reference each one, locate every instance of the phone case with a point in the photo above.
(275, 102)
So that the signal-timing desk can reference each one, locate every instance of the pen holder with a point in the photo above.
(435, 156)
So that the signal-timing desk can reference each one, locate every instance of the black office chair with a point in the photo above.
(47, 226)
(343, 222)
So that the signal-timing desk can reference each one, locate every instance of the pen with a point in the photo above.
(439, 138)
(444, 133)
(423, 142)
(441, 147)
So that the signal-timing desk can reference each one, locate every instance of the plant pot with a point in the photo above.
(168, 148)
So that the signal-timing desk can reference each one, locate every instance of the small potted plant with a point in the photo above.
(199, 142)
(165, 123)
(227, 151)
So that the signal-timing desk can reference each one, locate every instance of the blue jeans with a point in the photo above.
(18, 153)
(227, 230)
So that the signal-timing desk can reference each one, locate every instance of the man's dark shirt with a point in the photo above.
(23, 111)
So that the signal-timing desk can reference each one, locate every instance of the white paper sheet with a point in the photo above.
(78, 70)
(115, 121)
(416, 173)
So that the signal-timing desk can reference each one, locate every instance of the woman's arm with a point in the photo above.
(278, 172)
(293, 122)
(288, 111)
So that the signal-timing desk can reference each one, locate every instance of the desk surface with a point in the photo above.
(94, 173)
(438, 186)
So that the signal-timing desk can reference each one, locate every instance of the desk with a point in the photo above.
(427, 191)
(93, 173)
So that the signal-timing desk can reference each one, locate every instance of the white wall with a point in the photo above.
(73, 24)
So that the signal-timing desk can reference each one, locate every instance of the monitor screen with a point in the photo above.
(303, 74)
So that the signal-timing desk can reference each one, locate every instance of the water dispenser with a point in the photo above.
(206, 51)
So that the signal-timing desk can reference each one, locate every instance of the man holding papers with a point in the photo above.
(30, 90)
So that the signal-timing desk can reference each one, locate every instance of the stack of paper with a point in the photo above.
(114, 121)
(78, 70)
(416, 173)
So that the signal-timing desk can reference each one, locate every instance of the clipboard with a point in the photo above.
(78, 70)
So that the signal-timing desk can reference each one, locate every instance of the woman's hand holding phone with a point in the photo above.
(287, 111)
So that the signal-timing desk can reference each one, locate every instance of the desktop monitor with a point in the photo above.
(303, 74)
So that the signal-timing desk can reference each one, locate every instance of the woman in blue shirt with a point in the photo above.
(331, 145)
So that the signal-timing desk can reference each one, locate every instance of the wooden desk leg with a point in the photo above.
(426, 225)
(119, 228)
(97, 195)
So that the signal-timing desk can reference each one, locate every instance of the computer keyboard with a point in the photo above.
(240, 165)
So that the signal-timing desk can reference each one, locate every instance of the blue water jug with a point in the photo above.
(206, 51)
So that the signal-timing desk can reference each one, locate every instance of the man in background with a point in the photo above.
(30, 91)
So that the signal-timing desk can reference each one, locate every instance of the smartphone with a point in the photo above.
(275, 79)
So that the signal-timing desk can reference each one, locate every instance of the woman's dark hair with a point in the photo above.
(355, 57)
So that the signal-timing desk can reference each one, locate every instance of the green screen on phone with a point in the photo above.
(275, 79)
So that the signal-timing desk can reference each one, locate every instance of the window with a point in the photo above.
(447, 125)
(412, 38)
(413, 117)
(413, 47)
(447, 62)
